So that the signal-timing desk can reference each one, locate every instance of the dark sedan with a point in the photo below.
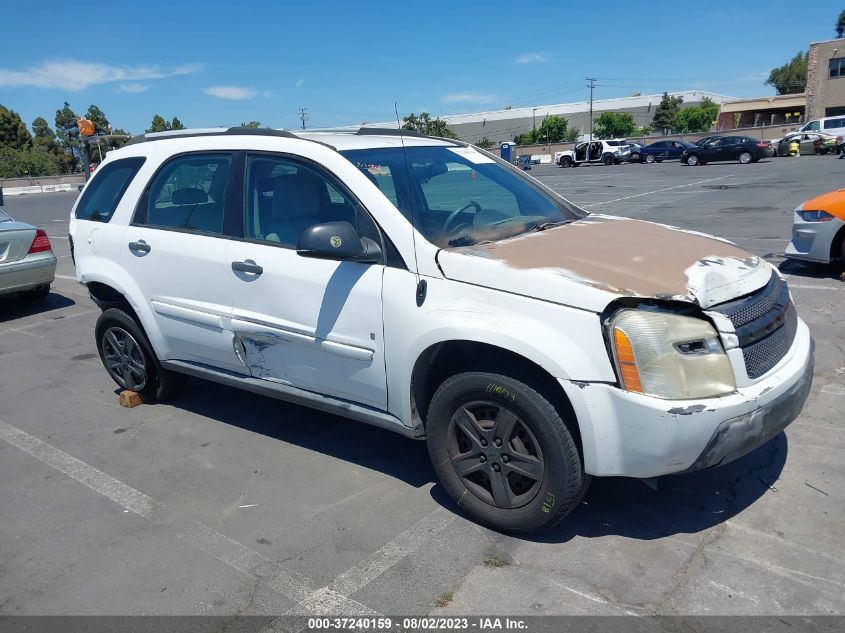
(724, 148)
(663, 150)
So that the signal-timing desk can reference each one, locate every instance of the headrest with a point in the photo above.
(189, 195)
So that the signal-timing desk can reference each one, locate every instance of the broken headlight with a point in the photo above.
(669, 356)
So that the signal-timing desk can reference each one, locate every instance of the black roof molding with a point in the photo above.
(388, 131)
(232, 131)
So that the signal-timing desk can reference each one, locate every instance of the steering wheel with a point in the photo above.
(450, 225)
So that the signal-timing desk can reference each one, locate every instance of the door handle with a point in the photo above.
(139, 247)
(247, 266)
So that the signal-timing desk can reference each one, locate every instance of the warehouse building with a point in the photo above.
(503, 125)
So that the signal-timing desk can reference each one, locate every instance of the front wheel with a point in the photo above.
(129, 358)
(503, 453)
(692, 160)
(745, 158)
(566, 161)
(649, 158)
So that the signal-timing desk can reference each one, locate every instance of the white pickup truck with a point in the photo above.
(611, 152)
(432, 289)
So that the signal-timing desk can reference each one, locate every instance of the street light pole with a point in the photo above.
(592, 85)
(534, 119)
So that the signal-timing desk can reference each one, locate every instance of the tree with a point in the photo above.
(68, 132)
(251, 124)
(176, 124)
(13, 132)
(791, 78)
(484, 143)
(698, 118)
(840, 24)
(424, 124)
(666, 112)
(615, 125)
(552, 129)
(571, 134)
(98, 118)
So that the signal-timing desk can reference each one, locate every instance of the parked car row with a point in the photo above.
(744, 149)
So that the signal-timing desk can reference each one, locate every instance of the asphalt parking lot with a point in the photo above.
(224, 502)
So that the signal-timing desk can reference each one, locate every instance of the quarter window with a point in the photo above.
(188, 193)
(102, 196)
(830, 124)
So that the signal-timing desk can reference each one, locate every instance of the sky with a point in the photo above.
(223, 63)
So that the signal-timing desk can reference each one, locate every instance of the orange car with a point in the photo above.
(818, 229)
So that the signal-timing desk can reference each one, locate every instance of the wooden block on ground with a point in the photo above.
(130, 399)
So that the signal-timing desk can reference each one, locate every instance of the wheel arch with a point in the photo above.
(836, 245)
(447, 358)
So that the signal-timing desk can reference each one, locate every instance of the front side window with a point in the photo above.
(285, 196)
(812, 126)
(103, 194)
(188, 193)
(457, 196)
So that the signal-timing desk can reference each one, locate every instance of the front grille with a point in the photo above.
(765, 322)
(761, 356)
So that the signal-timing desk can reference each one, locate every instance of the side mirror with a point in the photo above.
(339, 241)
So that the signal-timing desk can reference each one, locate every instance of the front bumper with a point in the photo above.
(811, 241)
(633, 435)
(34, 270)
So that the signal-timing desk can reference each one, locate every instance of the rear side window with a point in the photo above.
(104, 193)
(831, 124)
(188, 193)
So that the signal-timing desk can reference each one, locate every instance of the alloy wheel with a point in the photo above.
(124, 359)
(745, 158)
(495, 454)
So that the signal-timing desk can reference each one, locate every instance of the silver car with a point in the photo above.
(27, 261)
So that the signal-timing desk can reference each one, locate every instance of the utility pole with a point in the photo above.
(303, 115)
(592, 85)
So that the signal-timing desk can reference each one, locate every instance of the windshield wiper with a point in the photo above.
(542, 226)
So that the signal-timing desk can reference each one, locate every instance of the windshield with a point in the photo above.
(459, 196)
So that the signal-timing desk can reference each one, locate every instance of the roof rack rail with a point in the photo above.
(388, 131)
(232, 131)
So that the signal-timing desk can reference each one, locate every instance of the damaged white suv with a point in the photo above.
(432, 289)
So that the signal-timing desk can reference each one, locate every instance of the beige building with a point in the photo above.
(826, 79)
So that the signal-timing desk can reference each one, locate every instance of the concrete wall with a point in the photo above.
(72, 179)
(824, 91)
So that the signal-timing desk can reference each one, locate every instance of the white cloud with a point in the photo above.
(76, 75)
(469, 97)
(133, 88)
(531, 58)
(230, 92)
(299, 83)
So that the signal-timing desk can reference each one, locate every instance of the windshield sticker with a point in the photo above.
(473, 156)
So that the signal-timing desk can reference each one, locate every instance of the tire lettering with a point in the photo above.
(498, 390)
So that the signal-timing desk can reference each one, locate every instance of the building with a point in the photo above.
(826, 79)
(500, 126)
(762, 111)
(503, 125)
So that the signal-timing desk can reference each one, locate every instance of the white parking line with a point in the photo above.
(238, 556)
(648, 193)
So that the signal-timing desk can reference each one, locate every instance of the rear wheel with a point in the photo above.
(503, 453)
(636, 158)
(692, 160)
(649, 158)
(745, 158)
(608, 159)
(129, 358)
(36, 294)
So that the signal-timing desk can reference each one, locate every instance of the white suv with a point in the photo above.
(432, 289)
(611, 152)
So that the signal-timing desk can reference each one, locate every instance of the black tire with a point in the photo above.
(649, 158)
(608, 159)
(37, 294)
(538, 441)
(129, 358)
(565, 161)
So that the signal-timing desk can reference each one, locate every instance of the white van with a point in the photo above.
(829, 125)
